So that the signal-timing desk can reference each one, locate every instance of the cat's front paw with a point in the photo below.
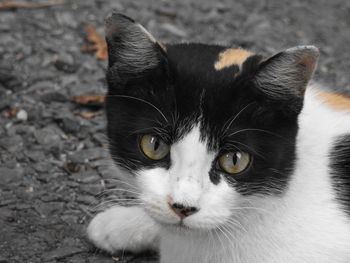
(123, 228)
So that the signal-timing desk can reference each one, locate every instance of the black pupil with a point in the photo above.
(234, 158)
(156, 144)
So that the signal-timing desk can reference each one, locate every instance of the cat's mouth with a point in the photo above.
(184, 228)
(179, 227)
(180, 224)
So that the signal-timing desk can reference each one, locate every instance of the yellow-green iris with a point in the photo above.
(234, 162)
(153, 147)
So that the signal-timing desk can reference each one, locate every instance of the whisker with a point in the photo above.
(150, 129)
(258, 130)
(236, 223)
(228, 123)
(116, 190)
(142, 100)
(110, 203)
(123, 182)
(216, 231)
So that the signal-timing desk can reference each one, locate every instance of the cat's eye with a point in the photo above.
(153, 147)
(234, 162)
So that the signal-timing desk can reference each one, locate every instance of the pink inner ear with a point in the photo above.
(309, 63)
(292, 68)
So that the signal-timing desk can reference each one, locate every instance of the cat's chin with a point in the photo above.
(182, 228)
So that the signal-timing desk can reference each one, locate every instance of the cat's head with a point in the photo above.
(203, 130)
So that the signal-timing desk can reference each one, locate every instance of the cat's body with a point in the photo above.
(289, 203)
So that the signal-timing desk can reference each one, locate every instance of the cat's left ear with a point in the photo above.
(132, 51)
(283, 77)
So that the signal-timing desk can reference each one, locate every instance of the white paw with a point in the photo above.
(123, 228)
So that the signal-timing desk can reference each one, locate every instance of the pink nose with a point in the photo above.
(183, 211)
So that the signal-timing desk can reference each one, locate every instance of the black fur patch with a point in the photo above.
(340, 167)
(230, 114)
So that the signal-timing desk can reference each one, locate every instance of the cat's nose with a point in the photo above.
(183, 211)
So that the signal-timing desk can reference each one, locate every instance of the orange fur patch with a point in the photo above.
(336, 101)
(231, 57)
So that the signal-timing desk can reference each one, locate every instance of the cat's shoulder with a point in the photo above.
(332, 109)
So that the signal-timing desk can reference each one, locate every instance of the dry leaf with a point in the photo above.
(30, 189)
(11, 113)
(88, 115)
(71, 167)
(97, 100)
(99, 44)
(166, 13)
(23, 5)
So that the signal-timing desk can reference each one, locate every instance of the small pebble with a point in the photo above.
(22, 115)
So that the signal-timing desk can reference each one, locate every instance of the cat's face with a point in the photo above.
(205, 131)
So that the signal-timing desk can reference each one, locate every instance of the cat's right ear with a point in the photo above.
(281, 80)
(132, 51)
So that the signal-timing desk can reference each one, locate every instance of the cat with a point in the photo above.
(234, 157)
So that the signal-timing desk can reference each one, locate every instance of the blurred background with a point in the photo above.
(52, 64)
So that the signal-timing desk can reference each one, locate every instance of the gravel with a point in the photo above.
(52, 160)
